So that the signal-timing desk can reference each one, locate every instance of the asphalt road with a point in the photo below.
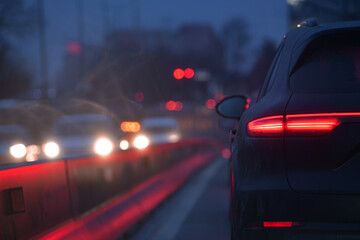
(199, 210)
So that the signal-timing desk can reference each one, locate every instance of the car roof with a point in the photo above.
(300, 37)
(302, 33)
(296, 41)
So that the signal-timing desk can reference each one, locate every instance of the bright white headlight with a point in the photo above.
(103, 146)
(141, 142)
(18, 150)
(124, 145)
(51, 149)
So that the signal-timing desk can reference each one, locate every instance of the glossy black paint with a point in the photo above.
(313, 181)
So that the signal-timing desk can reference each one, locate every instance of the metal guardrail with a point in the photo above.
(36, 198)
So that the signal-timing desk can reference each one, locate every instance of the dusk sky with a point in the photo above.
(266, 19)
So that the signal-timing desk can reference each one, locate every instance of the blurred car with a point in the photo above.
(16, 145)
(157, 130)
(295, 155)
(82, 134)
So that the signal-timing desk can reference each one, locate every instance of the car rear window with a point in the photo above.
(330, 64)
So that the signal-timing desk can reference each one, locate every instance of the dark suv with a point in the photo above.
(296, 152)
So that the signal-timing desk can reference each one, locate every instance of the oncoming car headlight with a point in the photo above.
(124, 145)
(103, 146)
(51, 149)
(18, 150)
(141, 142)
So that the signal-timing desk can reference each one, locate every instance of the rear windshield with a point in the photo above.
(330, 64)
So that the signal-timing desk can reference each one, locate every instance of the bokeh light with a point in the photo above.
(189, 73)
(51, 149)
(210, 103)
(179, 74)
(226, 153)
(139, 97)
(171, 105)
(124, 145)
(18, 150)
(130, 126)
(103, 146)
(74, 48)
(178, 106)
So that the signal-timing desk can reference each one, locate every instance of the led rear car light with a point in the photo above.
(280, 224)
(267, 126)
(309, 124)
(312, 124)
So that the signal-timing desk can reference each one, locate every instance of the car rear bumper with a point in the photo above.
(320, 216)
(343, 231)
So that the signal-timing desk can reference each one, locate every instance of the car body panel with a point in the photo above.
(278, 178)
(331, 163)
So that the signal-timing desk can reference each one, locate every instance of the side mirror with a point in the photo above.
(232, 106)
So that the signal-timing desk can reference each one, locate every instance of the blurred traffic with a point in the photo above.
(65, 134)
(108, 98)
(85, 134)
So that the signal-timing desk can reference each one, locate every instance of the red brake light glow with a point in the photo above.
(267, 126)
(179, 74)
(314, 124)
(280, 224)
(189, 73)
(310, 124)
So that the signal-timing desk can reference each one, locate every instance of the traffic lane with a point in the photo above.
(199, 210)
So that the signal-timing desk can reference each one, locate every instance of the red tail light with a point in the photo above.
(267, 126)
(310, 124)
(281, 224)
(314, 124)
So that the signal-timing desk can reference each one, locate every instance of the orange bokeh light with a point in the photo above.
(130, 126)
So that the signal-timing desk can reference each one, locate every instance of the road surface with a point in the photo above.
(199, 210)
